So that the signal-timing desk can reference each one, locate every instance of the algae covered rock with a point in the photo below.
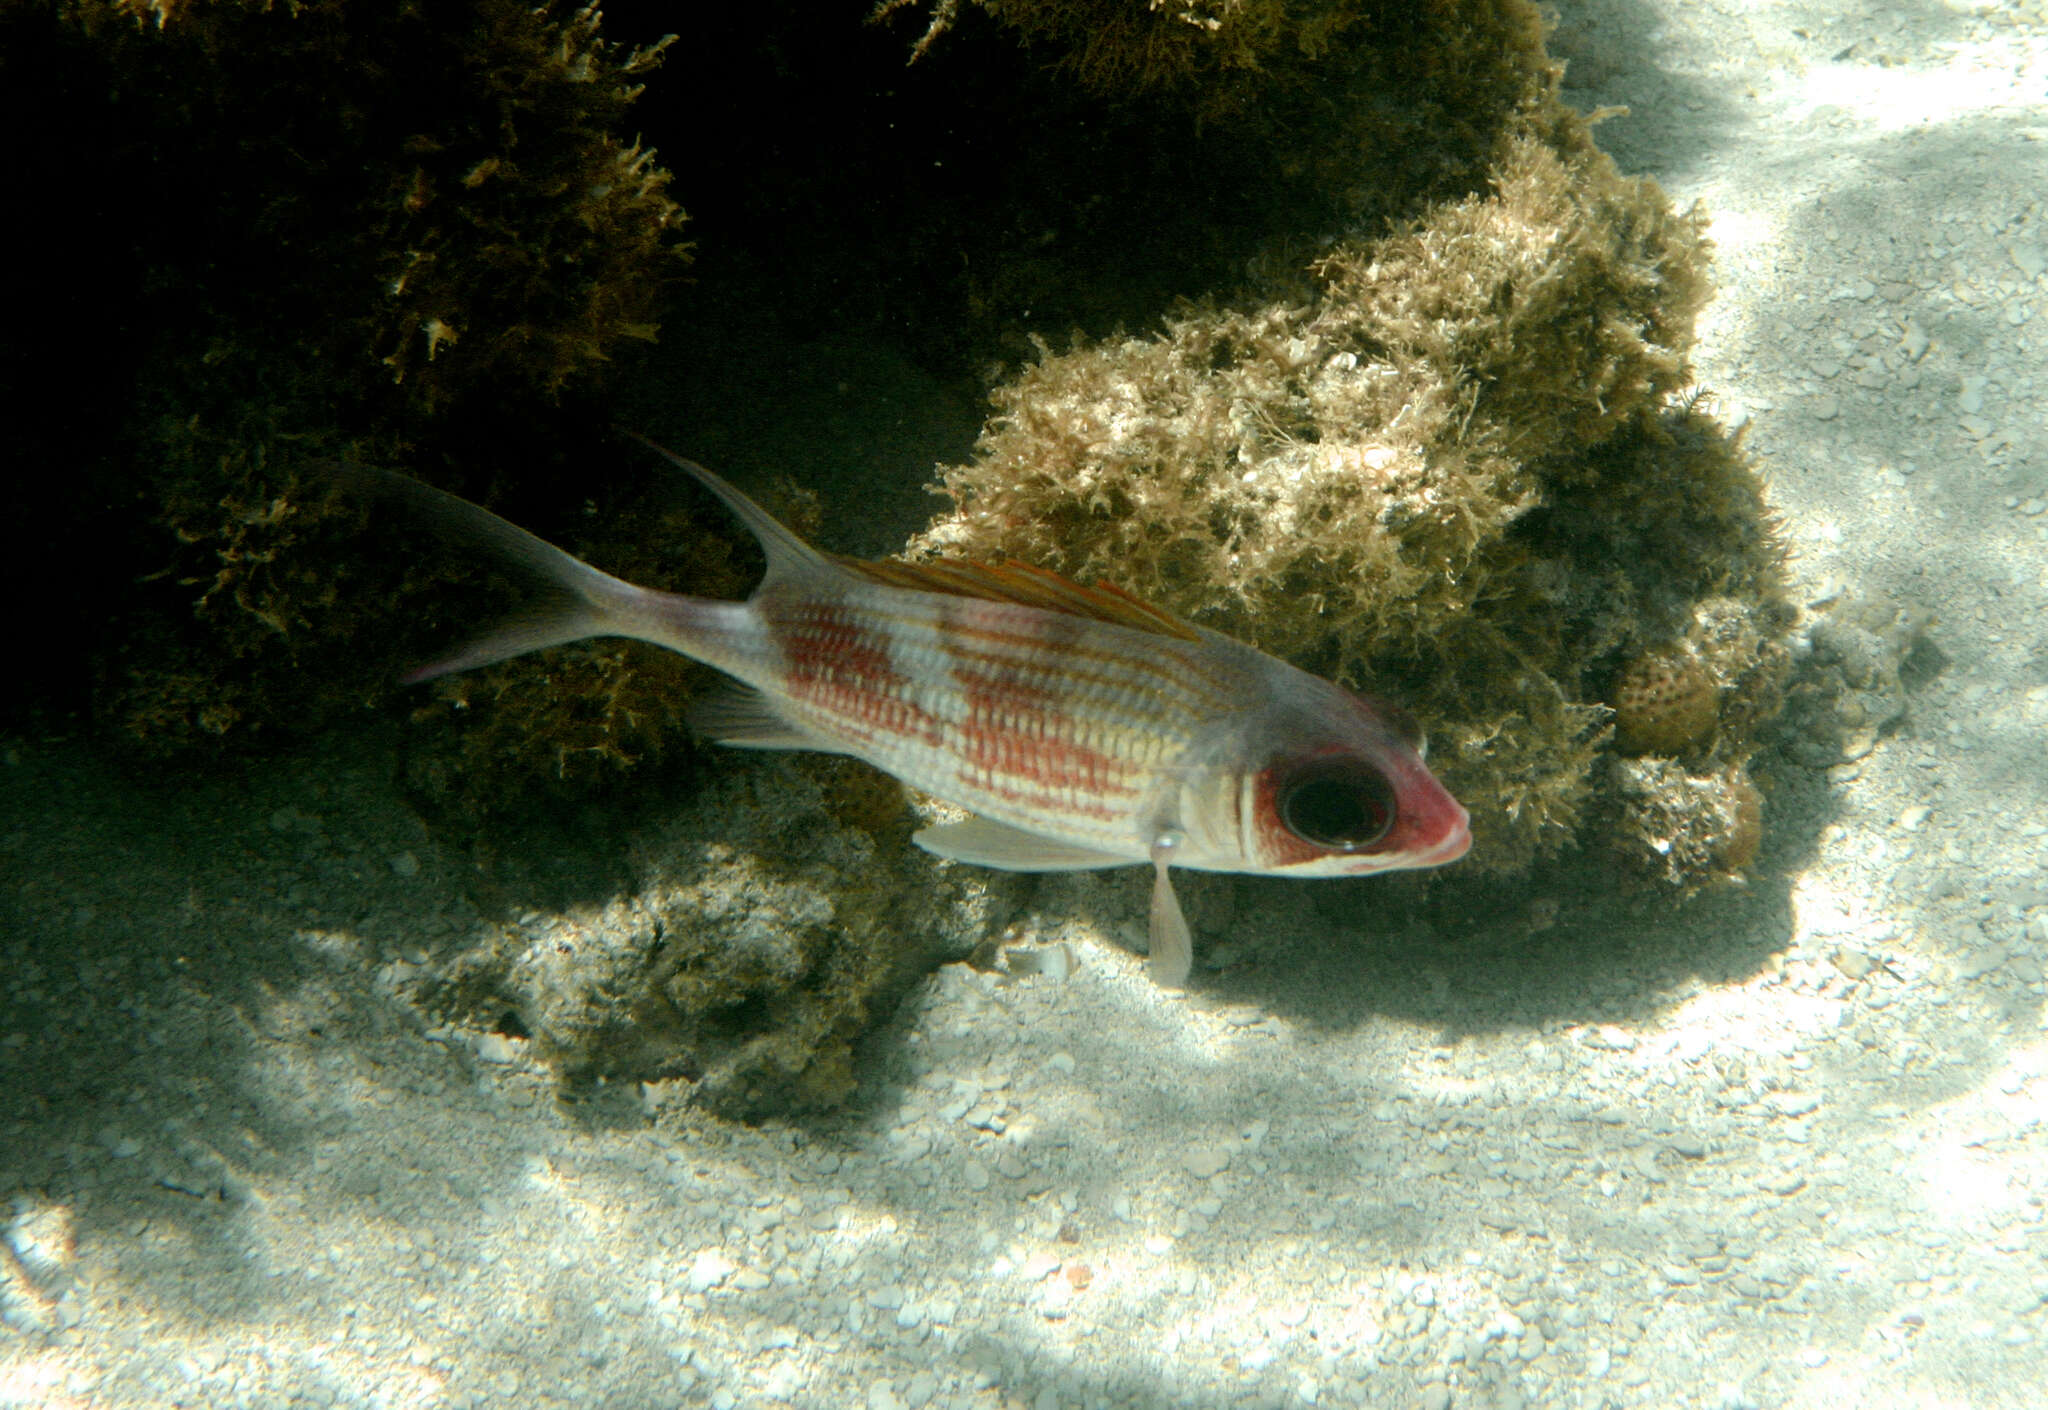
(1685, 824)
(765, 925)
(1422, 428)
(1459, 471)
(1863, 654)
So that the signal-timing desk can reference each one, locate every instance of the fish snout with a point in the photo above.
(1443, 828)
(1456, 841)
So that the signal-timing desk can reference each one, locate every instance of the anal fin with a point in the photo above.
(741, 717)
(1006, 848)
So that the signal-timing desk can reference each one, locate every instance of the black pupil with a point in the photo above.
(1351, 808)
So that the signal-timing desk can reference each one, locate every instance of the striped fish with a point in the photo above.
(1080, 726)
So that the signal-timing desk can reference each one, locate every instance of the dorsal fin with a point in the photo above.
(1025, 586)
(788, 555)
(1013, 582)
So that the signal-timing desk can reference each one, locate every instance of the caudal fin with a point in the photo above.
(566, 599)
(529, 631)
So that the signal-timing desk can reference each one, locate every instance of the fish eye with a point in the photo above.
(1345, 805)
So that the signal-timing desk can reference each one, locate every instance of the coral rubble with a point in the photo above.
(766, 924)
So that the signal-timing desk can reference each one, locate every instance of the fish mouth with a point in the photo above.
(1455, 843)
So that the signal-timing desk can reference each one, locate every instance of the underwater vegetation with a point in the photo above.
(302, 229)
(1324, 324)
(1459, 470)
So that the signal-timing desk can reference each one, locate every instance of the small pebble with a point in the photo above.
(708, 1270)
(1980, 963)
(496, 1047)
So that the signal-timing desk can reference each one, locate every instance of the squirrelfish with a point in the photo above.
(1080, 726)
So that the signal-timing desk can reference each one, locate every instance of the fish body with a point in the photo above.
(1081, 727)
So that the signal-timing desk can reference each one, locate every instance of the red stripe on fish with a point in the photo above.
(845, 670)
(1025, 713)
(1016, 733)
(1181, 677)
(1060, 804)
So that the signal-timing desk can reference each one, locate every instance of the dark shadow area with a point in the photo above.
(1611, 55)
(948, 206)
(149, 940)
(208, 1046)
(207, 1079)
(1576, 942)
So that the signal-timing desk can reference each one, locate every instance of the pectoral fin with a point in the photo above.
(1173, 949)
(994, 844)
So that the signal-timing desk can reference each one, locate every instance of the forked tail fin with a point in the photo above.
(567, 599)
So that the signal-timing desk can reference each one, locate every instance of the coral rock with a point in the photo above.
(1687, 828)
(762, 931)
(1665, 702)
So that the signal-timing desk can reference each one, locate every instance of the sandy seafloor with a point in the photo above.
(1782, 1147)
